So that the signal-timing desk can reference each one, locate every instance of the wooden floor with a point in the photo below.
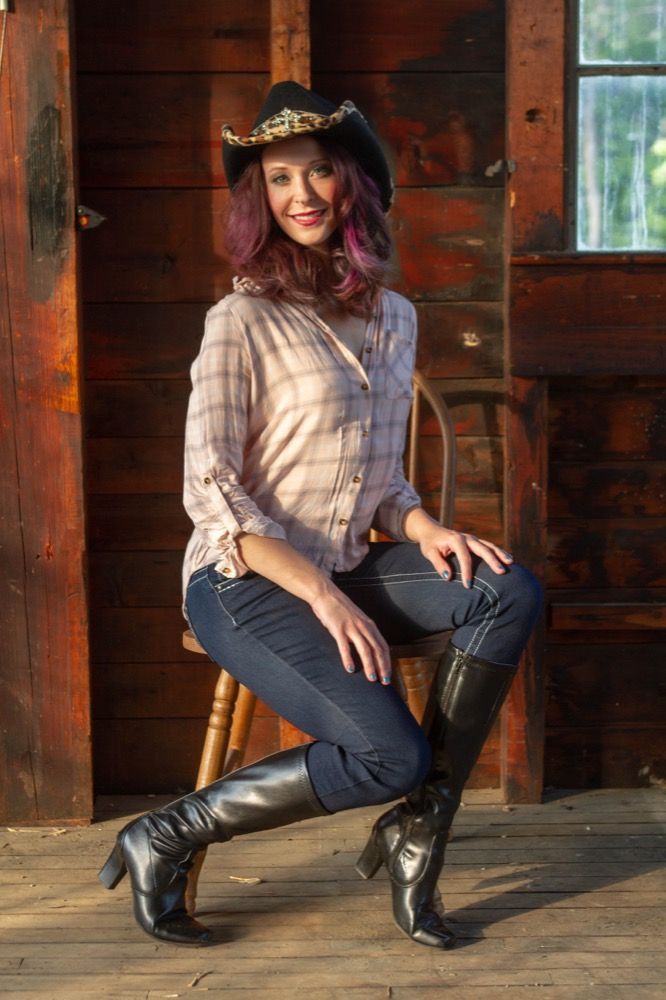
(561, 900)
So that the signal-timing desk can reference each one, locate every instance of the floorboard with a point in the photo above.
(561, 901)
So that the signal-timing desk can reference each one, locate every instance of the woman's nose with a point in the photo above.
(303, 190)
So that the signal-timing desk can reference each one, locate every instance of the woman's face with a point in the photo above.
(301, 188)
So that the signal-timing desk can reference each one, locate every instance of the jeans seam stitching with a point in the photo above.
(489, 617)
(422, 573)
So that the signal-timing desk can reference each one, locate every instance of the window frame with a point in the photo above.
(574, 70)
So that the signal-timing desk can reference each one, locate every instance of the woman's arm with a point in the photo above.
(279, 561)
(215, 436)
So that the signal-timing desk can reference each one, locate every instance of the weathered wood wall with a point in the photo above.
(605, 719)
(154, 88)
(45, 765)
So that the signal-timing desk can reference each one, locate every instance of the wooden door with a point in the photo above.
(45, 773)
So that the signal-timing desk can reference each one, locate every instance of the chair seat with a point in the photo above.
(430, 645)
(190, 642)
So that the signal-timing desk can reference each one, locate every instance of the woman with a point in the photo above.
(294, 438)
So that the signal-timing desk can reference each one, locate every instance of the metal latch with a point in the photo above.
(88, 218)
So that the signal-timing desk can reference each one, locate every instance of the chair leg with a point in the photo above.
(240, 729)
(210, 768)
(219, 729)
(416, 675)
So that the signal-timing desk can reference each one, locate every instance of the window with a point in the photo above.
(619, 77)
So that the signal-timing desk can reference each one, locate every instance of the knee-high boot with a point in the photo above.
(410, 838)
(158, 848)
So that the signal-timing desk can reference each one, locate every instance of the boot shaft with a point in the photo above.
(467, 695)
(272, 792)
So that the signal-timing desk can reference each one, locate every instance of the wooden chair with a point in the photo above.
(413, 663)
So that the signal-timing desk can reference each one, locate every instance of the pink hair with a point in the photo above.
(283, 269)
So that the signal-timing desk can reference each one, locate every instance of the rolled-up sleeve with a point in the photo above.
(215, 436)
(399, 498)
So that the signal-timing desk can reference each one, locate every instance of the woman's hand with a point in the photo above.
(350, 626)
(278, 561)
(437, 543)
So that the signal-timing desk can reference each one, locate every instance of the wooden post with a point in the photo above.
(290, 41)
(533, 220)
(522, 731)
(44, 696)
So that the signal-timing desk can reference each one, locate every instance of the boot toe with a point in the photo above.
(435, 935)
(182, 929)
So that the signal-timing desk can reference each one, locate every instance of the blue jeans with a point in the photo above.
(368, 748)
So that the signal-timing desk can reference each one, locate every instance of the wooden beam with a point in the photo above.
(611, 616)
(44, 693)
(534, 219)
(290, 60)
(290, 41)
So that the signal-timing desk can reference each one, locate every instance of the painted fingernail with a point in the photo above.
(445, 574)
(372, 677)
(509, 556)
(386, 680)
(468, 584)
(350, 668)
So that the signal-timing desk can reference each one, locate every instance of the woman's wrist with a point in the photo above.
(416, 524)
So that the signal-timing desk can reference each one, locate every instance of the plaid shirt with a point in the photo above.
(289, 435)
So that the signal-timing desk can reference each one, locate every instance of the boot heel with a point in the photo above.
(370, 860)
(114, 869)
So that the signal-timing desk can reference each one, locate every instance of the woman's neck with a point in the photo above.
(347, 328)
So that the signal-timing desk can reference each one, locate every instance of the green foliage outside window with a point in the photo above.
(621, 169)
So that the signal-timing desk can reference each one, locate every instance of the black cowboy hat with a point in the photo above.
(289, 111)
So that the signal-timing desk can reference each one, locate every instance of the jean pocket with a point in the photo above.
(220, 582)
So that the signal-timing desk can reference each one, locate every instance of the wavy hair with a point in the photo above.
(279, 268)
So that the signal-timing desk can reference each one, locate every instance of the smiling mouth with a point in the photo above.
(308, 218)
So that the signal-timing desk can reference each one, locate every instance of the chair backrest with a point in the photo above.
(424, 390)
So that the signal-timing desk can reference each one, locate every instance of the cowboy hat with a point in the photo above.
(290, 110)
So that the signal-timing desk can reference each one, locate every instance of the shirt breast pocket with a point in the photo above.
(398, 370)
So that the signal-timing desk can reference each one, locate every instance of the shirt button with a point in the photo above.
(364, 385)
(364, 434)
(343, 520)
(368, 350)
(226, 570)
(207, 480)
(356, 479)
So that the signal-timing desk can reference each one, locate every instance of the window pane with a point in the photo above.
(622, 163)
(622, 31)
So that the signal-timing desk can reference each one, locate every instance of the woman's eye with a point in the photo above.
(322, 170)
(279, 179)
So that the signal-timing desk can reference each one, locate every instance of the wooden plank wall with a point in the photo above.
(45, 760)
(605, 719)
(154, 88)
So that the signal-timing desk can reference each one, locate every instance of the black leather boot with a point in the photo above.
(158, 849)
(410, 839)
